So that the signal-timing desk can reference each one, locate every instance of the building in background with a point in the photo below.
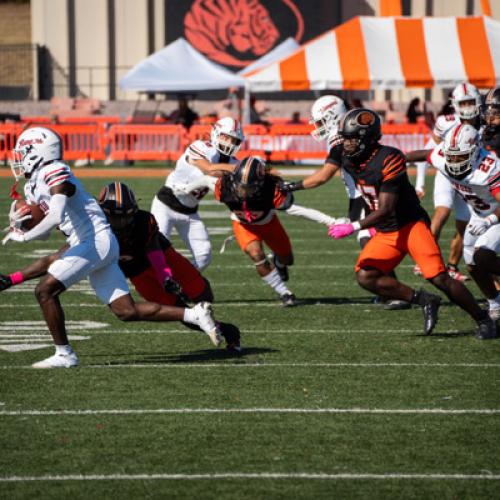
(83, 47)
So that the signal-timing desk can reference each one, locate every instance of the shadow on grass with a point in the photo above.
(205, 355)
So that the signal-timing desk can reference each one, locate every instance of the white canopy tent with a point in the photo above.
(178, 67)
(282, 50)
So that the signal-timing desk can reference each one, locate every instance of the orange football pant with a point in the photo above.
(386, 250)
(272, 234)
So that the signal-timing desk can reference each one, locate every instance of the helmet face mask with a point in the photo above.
(466, 101)
(227, 136)
(326, 113)
(360, 129)
(460, 151)
(35, 147)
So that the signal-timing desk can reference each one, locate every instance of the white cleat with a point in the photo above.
(58, 361)
(205, 320)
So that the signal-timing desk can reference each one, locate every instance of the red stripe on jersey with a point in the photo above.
(199, 153)
(58, 179)
(495, 190)
(494, 179)
(455, 135)
(49, 174)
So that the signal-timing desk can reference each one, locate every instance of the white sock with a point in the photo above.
(190, 316)
(63, 349)
(494, 303)
(275, 282)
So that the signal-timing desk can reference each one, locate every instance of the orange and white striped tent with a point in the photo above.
(390, 52)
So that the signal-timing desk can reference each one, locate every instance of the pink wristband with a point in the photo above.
(17, 277)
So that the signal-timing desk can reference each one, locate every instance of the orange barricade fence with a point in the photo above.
(146, 142)
(97, 141)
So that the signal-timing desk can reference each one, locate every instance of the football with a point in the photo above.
(35, 211)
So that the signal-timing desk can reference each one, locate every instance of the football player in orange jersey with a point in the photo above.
(253, 194)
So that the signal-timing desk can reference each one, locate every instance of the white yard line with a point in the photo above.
(241, 365)
(256, 475)
(208, 411)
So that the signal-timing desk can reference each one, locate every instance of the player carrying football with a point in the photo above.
(402, 225)
(93, 250)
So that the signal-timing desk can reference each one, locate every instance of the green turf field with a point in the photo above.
(337, 398)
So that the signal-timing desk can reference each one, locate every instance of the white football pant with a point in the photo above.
(489, 239)
(97, 259)
(189, 227)
(446, 196)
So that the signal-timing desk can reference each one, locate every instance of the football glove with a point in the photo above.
(171, 286)
(289, 186)
(5, 282)
(14, 235)
(17, 217)
(477, 227)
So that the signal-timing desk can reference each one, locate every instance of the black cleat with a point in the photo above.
(430, 308)
(231, 334)
(288, 300)
(282, 270)
(486, 329)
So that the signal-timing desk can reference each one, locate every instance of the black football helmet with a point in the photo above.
(118, 202)
(491, 108)
(249, 176)
(363, 125)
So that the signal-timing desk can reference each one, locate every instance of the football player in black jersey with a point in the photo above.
(402, 225)
(252, 194)
(490, 116)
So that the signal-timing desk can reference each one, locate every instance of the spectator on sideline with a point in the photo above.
(183, 115)
(413, 111)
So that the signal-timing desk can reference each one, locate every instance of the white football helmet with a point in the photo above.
(326, 113)
(466, 93)
(35, 147)
(460, 150)
(227, 136)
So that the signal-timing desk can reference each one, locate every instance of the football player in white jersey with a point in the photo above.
(173, 207)
(474, 174)
(466, 101)
(93, 249)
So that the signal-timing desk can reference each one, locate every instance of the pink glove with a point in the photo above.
(372, 231)
(338, 231)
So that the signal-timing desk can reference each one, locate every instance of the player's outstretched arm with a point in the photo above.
(34, 270)
(215, 169)
(310, 214)
(324, 174)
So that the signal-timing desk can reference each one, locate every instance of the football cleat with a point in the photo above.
(430, 308)
(486, 329)
(454, 273)
(58, 361)
(288, 300)
(282, 270)
(205, 320)
(231, 334)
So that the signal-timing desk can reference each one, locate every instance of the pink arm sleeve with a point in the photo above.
(160, 266)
